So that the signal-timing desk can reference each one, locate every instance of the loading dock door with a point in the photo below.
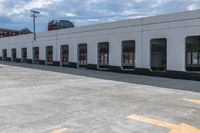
(64, 55)
(24, 55)
(193, 53)
(14, 55)
(158, 54)
(49, 55)
(36, 55)
(103, 55)
(82, 55)
(4, 51)
(128, 55)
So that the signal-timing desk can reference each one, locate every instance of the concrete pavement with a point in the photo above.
(44, 99)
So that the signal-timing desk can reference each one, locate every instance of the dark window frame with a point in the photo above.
(194, 48)
(101, 66)
(14, 52)
(78, 55)
(133, 67)
(62, 63)
(36, 61)
(165, 68)
(47, 61)
(4, 58)
(22, 55)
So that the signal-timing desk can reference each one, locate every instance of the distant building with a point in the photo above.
(25, 31)
(9, 32)
(59, 24)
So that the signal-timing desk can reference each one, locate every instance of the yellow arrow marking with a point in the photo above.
(192, 100)
(60, 130)
(182, 128)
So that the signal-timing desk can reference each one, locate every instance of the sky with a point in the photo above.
(16, 14)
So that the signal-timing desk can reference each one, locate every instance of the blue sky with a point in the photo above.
(15, 13)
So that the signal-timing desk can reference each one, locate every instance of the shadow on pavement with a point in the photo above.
(187, 85)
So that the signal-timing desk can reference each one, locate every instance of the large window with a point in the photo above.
(4, 53)
(193, 53)
(159, 54)
(64, 52)
(82, 55)
(14, 54)
(49, 55)
(36, 55)
(128, 55)
(103, 55)
(24, 55)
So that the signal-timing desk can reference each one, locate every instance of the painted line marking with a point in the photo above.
(192, 100)
(60, 130)
(182, 128)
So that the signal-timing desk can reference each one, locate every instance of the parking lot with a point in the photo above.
(45, 99)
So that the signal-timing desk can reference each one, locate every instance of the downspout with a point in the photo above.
(142, 37)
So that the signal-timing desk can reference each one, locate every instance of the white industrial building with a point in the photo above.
(165, 45)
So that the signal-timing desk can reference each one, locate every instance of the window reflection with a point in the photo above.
(128, 55)
(193, 53)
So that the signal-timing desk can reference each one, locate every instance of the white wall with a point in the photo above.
(173, 27)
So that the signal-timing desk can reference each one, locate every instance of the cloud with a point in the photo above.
(35, 4)
(5, 20)
(70, 14)
(193, 7)
(45, 14)
(158, 3)
(129, 12)
(84, 12)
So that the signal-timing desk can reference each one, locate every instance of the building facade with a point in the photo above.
(9, 32)
(165, 45)
(59, 24)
